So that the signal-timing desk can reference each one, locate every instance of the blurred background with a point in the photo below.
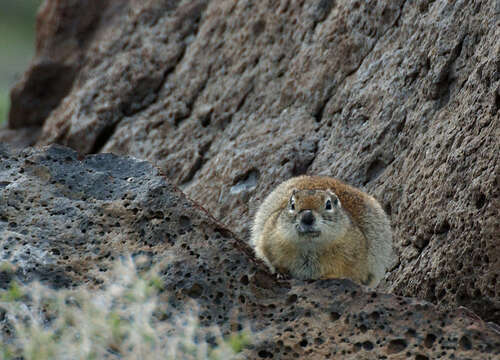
(17, 45)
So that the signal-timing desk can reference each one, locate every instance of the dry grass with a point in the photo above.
(119, 321)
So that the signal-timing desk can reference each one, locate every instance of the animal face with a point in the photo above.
(312, 215)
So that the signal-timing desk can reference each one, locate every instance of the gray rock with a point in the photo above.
(65, 218)
(229, 99)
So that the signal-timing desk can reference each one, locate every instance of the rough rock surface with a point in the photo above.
(65, 30)
(63, 220)
(230, 98)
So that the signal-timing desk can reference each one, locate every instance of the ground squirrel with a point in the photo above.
(315, 227)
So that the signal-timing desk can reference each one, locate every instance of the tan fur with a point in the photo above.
(353, 240)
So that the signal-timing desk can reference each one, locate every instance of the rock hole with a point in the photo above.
(265, 354)
(465, 343)
(318, 341)
(421, 241)
(374, 170)
(480, 200)
(429, 340)
(318, 114)
(368, 345)
(184, 221)
(441, 294)
(194, 291)
(205, 117)
(442, 228)
(388, 209)
(292, 299)
(302, 160)
(244, 280)
(396, 345)
(421, 357)
(258, 27)
(411, 332)
(159, 215)
(245, 182)
(334, 316)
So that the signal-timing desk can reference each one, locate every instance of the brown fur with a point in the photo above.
(354, 238)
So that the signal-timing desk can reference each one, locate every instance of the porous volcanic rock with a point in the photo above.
(401, 98)
(64, 218)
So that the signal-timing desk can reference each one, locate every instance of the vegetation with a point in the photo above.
(124, 320)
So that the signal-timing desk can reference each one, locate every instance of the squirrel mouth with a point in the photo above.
(308, 231)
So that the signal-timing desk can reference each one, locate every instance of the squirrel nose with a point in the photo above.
(307, 218)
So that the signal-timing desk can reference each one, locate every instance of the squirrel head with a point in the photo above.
(312, 216)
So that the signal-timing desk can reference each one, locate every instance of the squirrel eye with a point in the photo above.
(292, 204)
(328, 204)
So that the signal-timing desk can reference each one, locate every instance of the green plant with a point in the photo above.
(124, 320)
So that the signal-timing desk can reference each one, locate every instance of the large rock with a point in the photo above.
(230, 98)
(68, 31)
(64, 219)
